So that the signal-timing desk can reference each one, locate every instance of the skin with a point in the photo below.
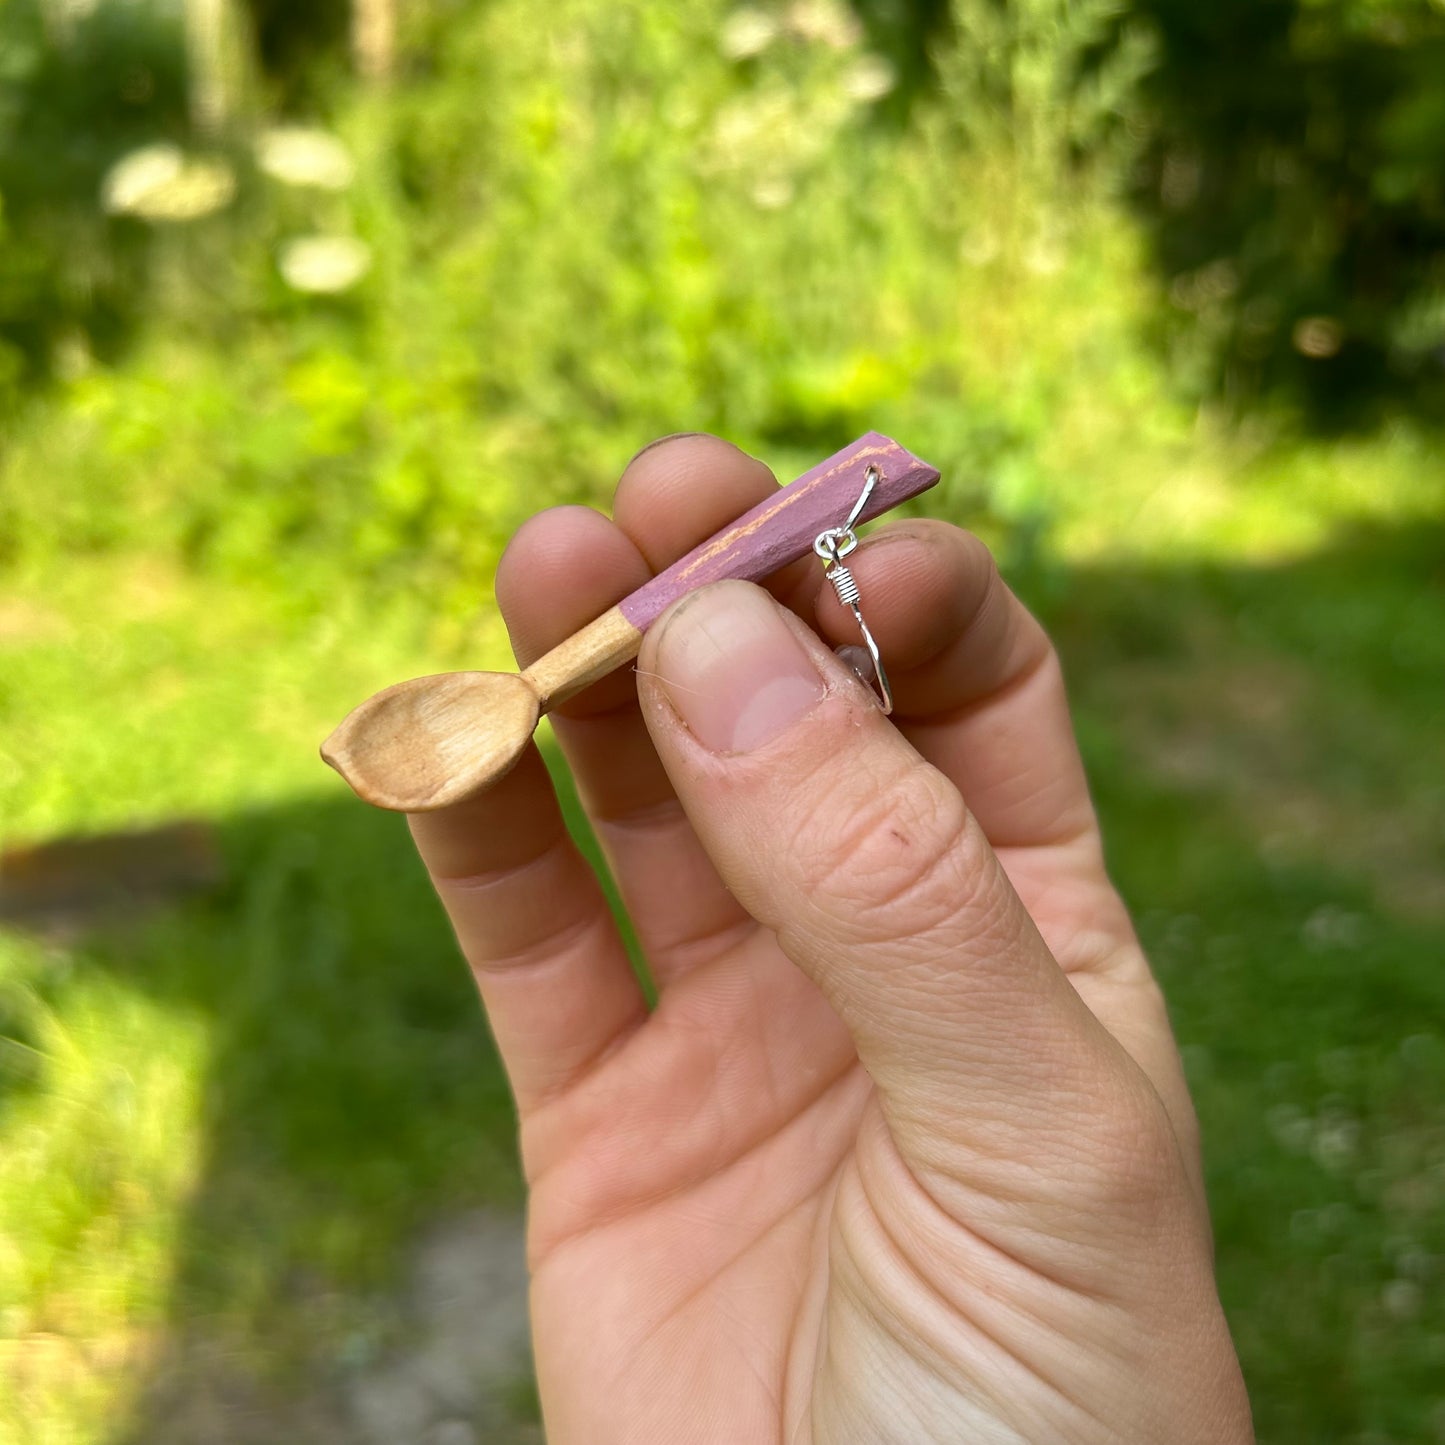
(904, 1152)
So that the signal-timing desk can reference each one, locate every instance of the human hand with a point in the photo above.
(905, 1152)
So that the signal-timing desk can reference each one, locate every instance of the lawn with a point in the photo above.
(1264, 743)
(226, 1116)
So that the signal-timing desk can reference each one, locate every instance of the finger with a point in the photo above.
(979, 692)
(975, 679)
(881, 886)
(535, 927)
(679, 491)
(561, 570)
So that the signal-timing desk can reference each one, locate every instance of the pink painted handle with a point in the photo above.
(783, 528)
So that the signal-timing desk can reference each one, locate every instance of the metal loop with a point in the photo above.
(835, 544)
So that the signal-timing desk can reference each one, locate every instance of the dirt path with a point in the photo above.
(458, 1372)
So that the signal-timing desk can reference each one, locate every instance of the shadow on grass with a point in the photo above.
(352, 1093)
(1259, 739)
(352, 1096)
(1264, 745)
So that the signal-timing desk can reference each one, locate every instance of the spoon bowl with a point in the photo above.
(432, 741)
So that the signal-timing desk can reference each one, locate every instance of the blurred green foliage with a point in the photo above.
(69, 107)
(588, 225)
(585, 225)
(1294, 184)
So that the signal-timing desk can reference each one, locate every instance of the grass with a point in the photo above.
(223, 1121)
(1264, 744)
(218, 1117)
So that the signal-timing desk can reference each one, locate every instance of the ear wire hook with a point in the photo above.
(832, 546)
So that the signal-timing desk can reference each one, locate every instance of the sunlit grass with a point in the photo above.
(102, 1157)
(131, 690)
(200, 1105)
(1214, 493)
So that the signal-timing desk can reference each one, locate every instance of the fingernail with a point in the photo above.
(733, 670)
(676, 436)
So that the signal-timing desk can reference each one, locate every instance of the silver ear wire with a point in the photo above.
(832, 546)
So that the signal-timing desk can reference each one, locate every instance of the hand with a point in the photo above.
(904, 1152)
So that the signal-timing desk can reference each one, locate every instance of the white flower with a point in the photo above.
(160, 183)
(826, 21)
(772, 193)
(323, 265)
(137, 175)
(870, 77)
(298, 155)
(746, 33)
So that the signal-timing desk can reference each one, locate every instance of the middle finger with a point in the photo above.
(562, 569)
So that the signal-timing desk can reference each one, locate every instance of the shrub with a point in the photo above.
(590, 224)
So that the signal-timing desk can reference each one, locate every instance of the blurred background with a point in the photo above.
(304, 307)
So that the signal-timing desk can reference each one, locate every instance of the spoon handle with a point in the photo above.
(776, 532)
(602, 646)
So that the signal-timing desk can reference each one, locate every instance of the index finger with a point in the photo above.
(977, 685)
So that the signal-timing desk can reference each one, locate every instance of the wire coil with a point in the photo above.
(844, 584)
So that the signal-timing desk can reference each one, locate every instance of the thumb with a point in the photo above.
(995, 1080)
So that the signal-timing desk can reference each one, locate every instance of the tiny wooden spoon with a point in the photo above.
(435, 740)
